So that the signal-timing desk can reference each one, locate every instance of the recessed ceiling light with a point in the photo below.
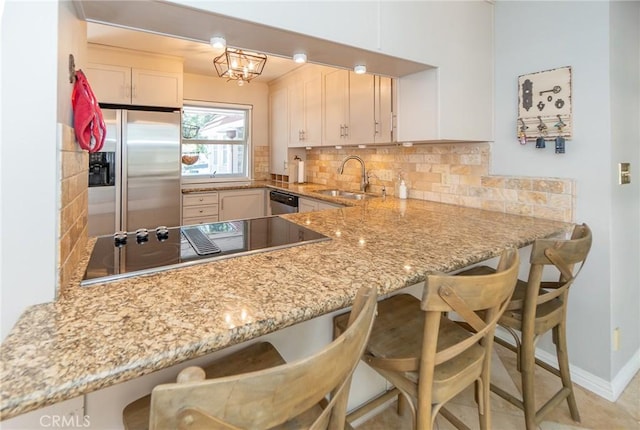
(300, 57)
(218, 42)
(360, 69)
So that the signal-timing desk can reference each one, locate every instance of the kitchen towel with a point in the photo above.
(301, 179)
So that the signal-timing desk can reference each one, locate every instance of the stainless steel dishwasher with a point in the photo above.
(283, 203)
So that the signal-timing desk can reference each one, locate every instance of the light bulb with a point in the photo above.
(240, 82)
(360, 69)
(300, 58)
(218, 42)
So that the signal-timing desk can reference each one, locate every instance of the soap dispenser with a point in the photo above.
(402, 190)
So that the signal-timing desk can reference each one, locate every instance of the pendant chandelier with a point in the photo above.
(238, 65)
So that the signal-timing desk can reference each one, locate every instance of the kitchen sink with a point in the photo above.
(343, 194)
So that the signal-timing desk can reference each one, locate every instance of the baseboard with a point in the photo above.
(625, 375)
(372, 413)
(609, 390)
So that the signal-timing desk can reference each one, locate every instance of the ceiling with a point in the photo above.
(169, 28)
(197, 56)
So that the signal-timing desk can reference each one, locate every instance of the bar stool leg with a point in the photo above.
(563, 367)
(528, 392)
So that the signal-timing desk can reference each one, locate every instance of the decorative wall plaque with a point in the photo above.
(544, 106)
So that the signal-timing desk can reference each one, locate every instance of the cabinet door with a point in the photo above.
(383, 106)
(241, 204)
(313, 205)
(279, 132)
(305, 109)
(153, 88)
(110, 84)
(361, 112)
(313, 110)
(306, 205)
(296, 112)
(335, 107)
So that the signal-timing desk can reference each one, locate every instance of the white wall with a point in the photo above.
(28, 157)
(214, 89)
(536, 36)
(625, 147)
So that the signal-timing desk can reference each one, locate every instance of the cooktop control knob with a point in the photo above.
(162, 233)
(120, 238)
(142, 235)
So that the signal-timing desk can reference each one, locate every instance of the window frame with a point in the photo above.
(248, 158)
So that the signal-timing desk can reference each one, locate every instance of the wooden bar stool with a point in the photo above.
(536, 308)
(428, 357)
(309, 393)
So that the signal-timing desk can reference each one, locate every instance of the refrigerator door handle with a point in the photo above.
(122, 188)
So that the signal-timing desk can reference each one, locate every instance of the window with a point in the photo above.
(215, 141)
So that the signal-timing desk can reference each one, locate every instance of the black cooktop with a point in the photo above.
(147, 251)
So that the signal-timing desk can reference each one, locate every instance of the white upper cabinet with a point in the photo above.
(305, 108)
(155, 88)
(279, 128)
(126, 85)
(111, 84)
(383, 109)
(355, 110)
(360, 122)
(335, 111)
(453, 101)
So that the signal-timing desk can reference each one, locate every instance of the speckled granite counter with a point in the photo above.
(97, 336)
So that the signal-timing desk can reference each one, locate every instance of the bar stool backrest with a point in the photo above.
(267, 398)
(563, 255)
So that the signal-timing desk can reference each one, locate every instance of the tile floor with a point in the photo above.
(595, 412)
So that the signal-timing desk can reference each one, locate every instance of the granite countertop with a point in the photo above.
(97, 336)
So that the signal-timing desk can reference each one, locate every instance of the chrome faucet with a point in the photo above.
(364, 184)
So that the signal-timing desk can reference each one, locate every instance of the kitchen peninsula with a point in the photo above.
(94, 337)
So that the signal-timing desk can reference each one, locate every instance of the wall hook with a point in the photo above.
(522, 136)
(523, 127)
(560, 124)
(542, 127)
(72, 69)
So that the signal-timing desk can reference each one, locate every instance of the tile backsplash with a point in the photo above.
(456, 173)
(73, 204)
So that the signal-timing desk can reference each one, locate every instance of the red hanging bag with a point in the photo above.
(88, 122)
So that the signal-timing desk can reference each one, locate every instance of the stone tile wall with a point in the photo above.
(73, 206)
(260, 163)
(456, 173)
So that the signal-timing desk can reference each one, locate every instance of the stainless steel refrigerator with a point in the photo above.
(134, 182)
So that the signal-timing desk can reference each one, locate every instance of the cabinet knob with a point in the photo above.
(201, 199)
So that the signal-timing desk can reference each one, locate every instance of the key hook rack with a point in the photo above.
(545, 104)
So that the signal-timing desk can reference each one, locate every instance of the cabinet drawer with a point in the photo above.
(200, 199)
(200, 220)
(199, 211)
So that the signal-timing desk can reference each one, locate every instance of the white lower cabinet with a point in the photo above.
(199, 208)
(313, 205)
(241, 204)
